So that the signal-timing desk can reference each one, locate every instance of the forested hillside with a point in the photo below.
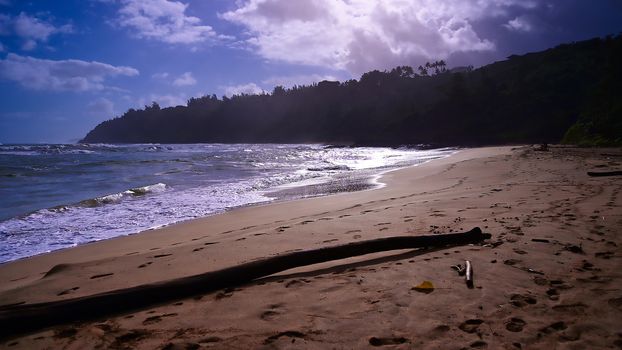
(570, 93)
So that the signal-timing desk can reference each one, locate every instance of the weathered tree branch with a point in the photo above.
(30, 317)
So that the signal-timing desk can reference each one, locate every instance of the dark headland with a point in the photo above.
(571, 93)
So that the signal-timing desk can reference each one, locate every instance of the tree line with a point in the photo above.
(571, 93)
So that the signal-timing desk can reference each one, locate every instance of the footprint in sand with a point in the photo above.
(102, 275)
(479, 344)
(289, 334)
(559, 284)
(615, 302)
(129, 337)
(519, 300)
(381, 341)
(296, 283)
(554, 327)
(68, 291)
(553, 294)
(604, 255)
(65, 333)
(145, 264)
(181, 346)
(156, 319)
(470, 326)
(269, 315)
(515, 324)
(440, 329)
(226, 293)
(575, 309)
(540, 281)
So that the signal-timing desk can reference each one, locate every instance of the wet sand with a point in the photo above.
(549, 277)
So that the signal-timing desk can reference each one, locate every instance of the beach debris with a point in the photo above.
(459, 268)
(468, 275)
(30, 317)
(466, 271)
(424, 287)
(530, 270)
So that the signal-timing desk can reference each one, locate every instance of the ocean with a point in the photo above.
(59, 196)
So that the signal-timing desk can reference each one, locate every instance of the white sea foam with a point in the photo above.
(45, 200)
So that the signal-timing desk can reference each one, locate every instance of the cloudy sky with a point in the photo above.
(65, 66)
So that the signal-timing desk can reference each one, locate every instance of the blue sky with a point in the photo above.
(66, 66)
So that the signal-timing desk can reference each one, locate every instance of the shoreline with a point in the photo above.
(171, 200)
(73, 255)
(554, 246)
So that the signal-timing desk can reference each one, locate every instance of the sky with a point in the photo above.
(66, 66)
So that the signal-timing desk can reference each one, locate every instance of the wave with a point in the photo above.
(116, 197)
(33, 150)
(332, 167)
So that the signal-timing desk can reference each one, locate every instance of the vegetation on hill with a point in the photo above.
(571, 93)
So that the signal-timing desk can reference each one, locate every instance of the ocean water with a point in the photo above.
(59, 196)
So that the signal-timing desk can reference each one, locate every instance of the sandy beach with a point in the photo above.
(548, 278)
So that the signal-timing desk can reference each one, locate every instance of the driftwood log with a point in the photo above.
(25, 318)
(605, 173)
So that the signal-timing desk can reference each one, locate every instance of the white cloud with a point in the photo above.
(359, 35)
(165, 21)
(162, 75)
(33, 30)
(29, 45)
(101, 107)
(63, 75)
(185, 79)
(290, 81)
(249, 89)
(519, 24)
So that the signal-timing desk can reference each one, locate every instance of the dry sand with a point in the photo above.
(549, 278)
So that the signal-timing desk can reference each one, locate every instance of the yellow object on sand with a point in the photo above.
(424, 287)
